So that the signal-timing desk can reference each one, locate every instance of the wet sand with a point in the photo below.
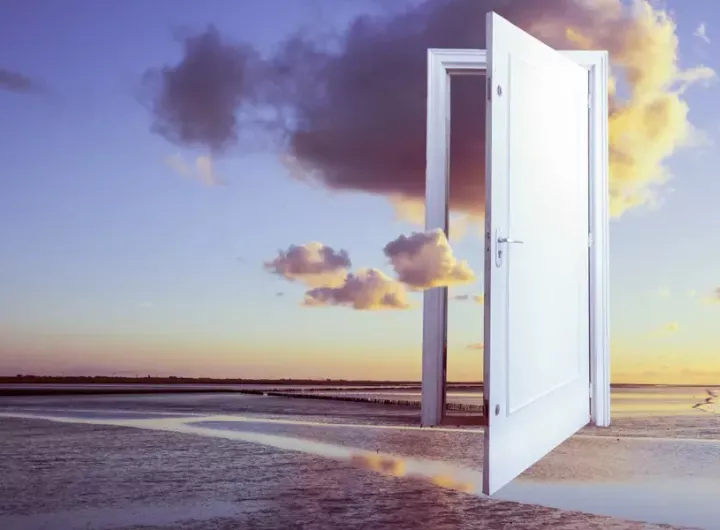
(62, 476)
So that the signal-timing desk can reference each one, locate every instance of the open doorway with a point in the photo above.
(546, 340)
(464, 370)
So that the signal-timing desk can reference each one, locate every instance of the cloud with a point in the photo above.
(421, 261)
(425, 260)
(196, 101)
(202, 170)
(364, 290)
(17, 82)
(476, 346)
(701, 33)
(352, 117)
(313, 264)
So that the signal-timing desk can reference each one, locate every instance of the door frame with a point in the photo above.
(443, 64)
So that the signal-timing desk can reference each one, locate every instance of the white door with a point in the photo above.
(537, 348)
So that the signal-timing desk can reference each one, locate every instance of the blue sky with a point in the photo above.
(113, 262)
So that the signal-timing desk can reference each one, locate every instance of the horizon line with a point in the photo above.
(291, 380)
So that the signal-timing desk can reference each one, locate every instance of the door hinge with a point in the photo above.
(590, 240)
(488, 89)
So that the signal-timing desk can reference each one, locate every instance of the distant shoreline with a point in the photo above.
(174, 380)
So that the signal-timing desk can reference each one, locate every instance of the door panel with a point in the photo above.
(537, 346)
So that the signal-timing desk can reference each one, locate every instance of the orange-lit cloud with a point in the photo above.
(313, 264)
(421, 261)
(425, 260)
(476, 346)
(650, 123)
(364, 290)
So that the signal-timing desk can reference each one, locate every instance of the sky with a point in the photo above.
(185, 186)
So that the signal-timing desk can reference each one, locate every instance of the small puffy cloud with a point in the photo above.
(202, 171)
(313, 264)
(476, 346)
(701, 33)
(364, 290)
(425, 260)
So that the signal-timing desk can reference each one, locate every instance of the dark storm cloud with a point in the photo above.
(351, 116)
(357, 114)
(363, 127)
(196, 101)
(17, 82)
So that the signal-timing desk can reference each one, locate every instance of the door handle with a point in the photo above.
(509, 240)
(499, 249)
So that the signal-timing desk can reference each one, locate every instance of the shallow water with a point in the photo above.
(690, 501)
(624, 401)
(659, 468)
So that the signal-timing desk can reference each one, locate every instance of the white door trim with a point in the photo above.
(442, 65)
